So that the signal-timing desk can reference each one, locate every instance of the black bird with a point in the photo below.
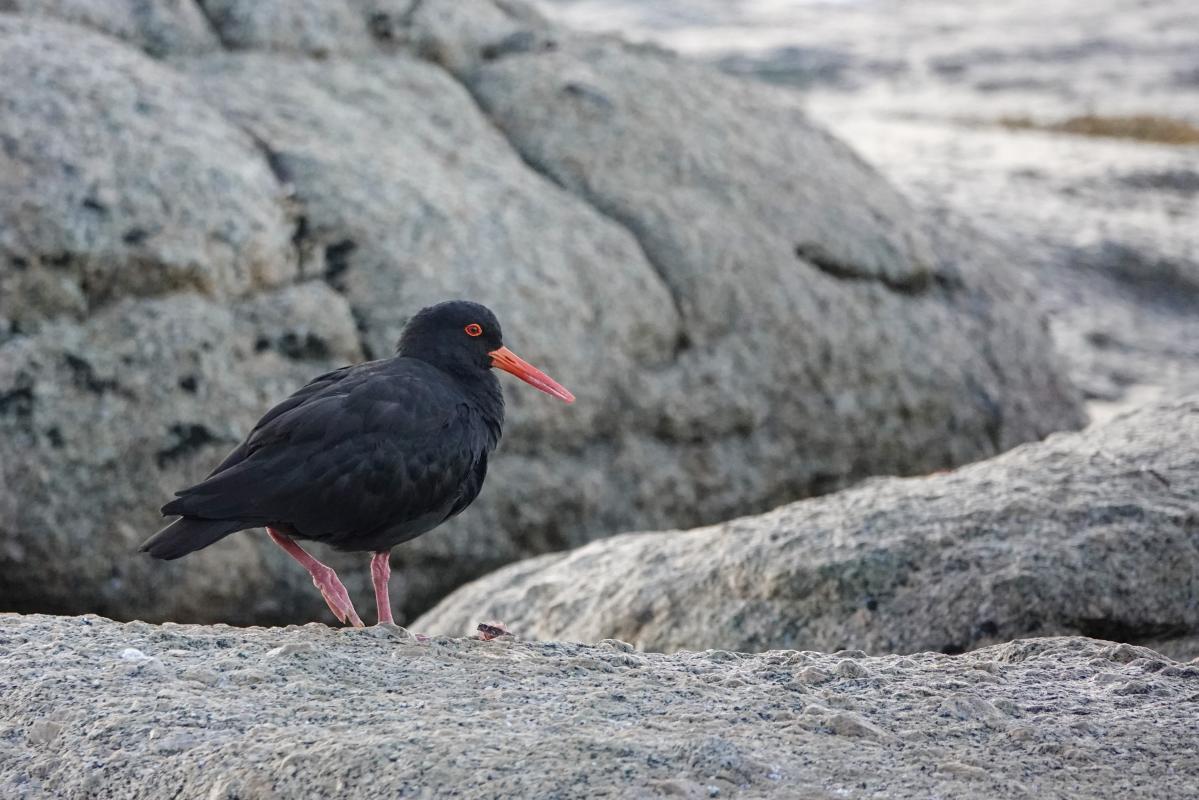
(367, 456)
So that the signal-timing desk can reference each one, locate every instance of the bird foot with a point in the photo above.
(491, 630)
(335, 594)
(323, 578)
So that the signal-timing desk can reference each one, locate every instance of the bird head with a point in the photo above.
(461, 336)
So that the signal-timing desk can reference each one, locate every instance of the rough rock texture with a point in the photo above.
(160, 27)
(392, 228)
(1104, 228)
(694, 166)
(99, 709)
(118, 180)
(1094, 533)
(97, 419)
(316, 27)
(779, 323)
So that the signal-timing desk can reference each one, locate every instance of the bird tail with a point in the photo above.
(188, 534)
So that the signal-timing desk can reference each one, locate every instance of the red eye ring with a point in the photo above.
(474, 329)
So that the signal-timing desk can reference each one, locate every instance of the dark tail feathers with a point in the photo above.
(188, 534)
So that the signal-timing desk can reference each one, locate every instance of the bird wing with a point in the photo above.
(313, 388)
(367, 449)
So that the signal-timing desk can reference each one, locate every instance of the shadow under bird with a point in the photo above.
(367, 456)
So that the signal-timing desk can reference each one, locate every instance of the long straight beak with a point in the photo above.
(508, 361)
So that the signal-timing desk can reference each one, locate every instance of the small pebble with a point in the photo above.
(846, 723)
(249, 677)
(135, 662)
(963, 770)
(1134, 687)
(850, 654)
(201, 675)
(812, 676)
(44, 731)
(852, 669)
(291, 649)
(970, 707)
(174, 743)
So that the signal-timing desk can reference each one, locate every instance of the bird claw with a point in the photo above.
(338, 600)
(350, 617)
(347, 617)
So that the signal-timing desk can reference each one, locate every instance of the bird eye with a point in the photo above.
(474, 329)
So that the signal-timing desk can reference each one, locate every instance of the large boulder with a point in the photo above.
(117, 179)
(160, 27)
(748, 313)
(94, 708)
(318, 28)
(982, 119)
(1101, 223)
(101, 422)
(1094, 533)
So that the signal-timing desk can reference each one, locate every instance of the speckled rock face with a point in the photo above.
(1093, 532)
(116, 180)
(160, 27)
(747, 311)
(99, 709)
(99, 417)
(940, 99)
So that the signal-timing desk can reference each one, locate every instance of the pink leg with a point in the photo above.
(380, 572)
(323, 578)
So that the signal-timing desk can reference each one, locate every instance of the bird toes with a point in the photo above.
(342, 609)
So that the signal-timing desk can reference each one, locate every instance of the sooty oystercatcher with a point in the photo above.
(367, 456)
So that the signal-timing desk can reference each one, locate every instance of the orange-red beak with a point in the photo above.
(508, 361)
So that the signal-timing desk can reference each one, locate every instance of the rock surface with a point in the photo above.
(1103, 228)
(1095, 533)
(160, 27)
(118, 180)
(96, 708)
(98, 418)
(752, 335)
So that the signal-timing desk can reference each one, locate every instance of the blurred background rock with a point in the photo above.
(1067, 130)
(202, 204)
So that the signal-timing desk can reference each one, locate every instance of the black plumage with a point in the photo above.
(367, 456)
